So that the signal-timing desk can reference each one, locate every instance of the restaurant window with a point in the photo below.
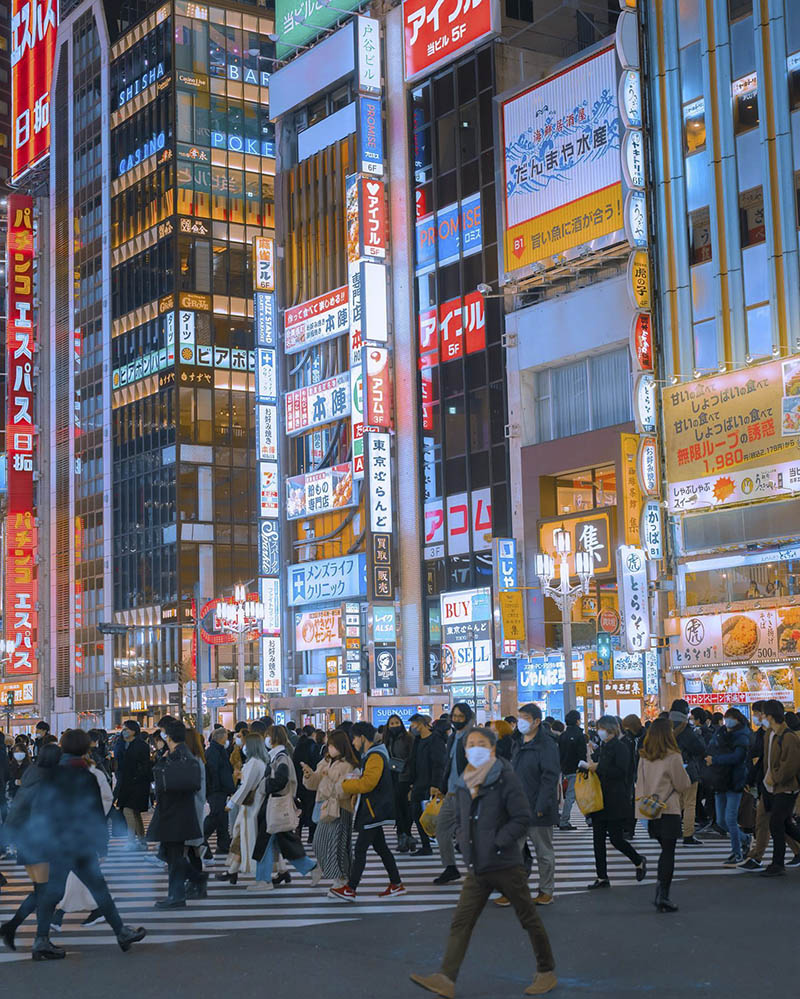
(586, 490)
(745, 104)
(751, 216)
(699, 236)
(694, 127)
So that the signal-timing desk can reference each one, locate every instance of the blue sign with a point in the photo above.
(153, 145)
(506, 564)
(381, 715)
(269, 562)
(215, 697)
(265, 319)
(328, 579)
(451, 231)
(370, 135)
(148, 77)
(383, 625)
(241, 144)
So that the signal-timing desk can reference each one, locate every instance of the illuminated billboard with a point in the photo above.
(33, 47)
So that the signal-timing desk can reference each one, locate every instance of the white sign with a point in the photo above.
(650, 529)
(316, 320)
(634, 601)
(267, 431)
(185, 328)
(270, 590)
(466, 635)
(266, 375)
(271, 664)
(379, 470)
(633, 158)
(374, 311)
(636, 219)
(645, 404)
(369, 55)
(269, 485)
(314, 405)
(630, 99)
(647, 466)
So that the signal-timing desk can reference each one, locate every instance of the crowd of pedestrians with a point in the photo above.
(490, 796)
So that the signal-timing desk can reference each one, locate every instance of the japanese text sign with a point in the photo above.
(319, 629)
(314, 405)
(320, 492)
(589, 532)
(327, 579)
(634, 601)
(34, 25)
(378, 384)
(379, 470)
(319, 319)
(750, 638)
(263, 264)
(299, 21)
(437, 31)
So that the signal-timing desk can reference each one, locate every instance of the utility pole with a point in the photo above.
(197, 658)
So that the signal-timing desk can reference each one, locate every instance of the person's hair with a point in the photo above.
(308, 730)
(239, 726)
(267, 720)
(43, 725)
(365, 729)
(532, 710)
(632, 723)
(609, 723)
(157, 735)
(421, 720)
(737, 714)
(717, 716)
(659, 741)
(549, 720)
(49, 756)
(279, 736)
(758, 706)
(465, 710)
(402, 723)
(165, 720)
(344, 746)
(558, 726)
(663, 714)
(219, 734)
(176, 730)
(194, 743)
(511, 719)
(255, 747)
(22, 745)
(502, 729)
(258, 726)
(96, 735)
(290, 725)
(700, 715)
(681, 706)
(573, 717)
(488, 734)
(47, 739)
(132, 724)
(775, 709)
(75, 741)
(792, 720)
(345, 726)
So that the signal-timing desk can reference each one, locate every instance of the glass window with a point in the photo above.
(706, 356)
(751, 216)
(792, 17)
(699, 236)
(745, 104)
(574, 493)
(793, 65)
(691, 73)
(759, 331)
(694, 126)
(743, 52)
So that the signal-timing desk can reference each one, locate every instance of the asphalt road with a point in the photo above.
(735, 935)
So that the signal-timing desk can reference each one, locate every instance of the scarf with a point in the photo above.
(475, 776)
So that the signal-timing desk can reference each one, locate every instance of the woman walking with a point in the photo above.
(728, 754)
(661, 779)
(247, 801)
(399, 745)
(20, 761)
(195, 847)
(334, 833)
(611, 762)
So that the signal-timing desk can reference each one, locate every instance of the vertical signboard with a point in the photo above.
(33, 46)
(634, 600)
(20, 613)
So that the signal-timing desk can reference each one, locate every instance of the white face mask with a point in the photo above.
(244, 751)
(19, 757)
(765, 722)
(268, 742)
(602, 735)
(163, 735)
(730, 723)
(238, 741)
(227, 743)
(478, 756)
(524, 726)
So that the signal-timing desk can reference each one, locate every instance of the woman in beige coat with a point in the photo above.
(662, 777)
(334, 833)
(249, 798)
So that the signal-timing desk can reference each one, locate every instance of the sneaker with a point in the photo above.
(392, 890)
(448, 874)
(543, 899)
(568, 825)
(94, 917)
(733, 860)
(170, 903)
(599, 883)
(794, 862)
(422, 851)
(751, 864)
(502, 902)
(44, 950)
(207, 854)
(439, 984)
(692, 841)
(772, 872)
(544, 982)
(316, 875)
(262, 886)
(343, 894)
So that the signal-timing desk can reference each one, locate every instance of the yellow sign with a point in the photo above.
(631, 493)
(195, 300)
(589, 532)
(24, 692)
(733, 438)
(512, 613)
(639, 279)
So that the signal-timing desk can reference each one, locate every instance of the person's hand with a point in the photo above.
(436, 793)
(709, 761)
(306, 768)
(591, 766)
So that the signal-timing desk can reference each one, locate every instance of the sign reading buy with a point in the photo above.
(437, 31)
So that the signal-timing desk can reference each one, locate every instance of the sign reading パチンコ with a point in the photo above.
(733, 438)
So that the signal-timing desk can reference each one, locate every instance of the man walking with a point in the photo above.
(781, 783)
(572, 749)
(693, 751)
(462, 720)
(219, 787)
(426, 767)
(132, 793)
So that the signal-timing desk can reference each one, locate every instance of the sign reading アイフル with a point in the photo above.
(733, 438)
(561, 164)
(436, 31)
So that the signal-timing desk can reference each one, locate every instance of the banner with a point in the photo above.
(378, 385)
(633, 598)
(320, 492)
(316, 320)
(34, 24)
(750, 637)
(438, 32)
(299, 21)
(467, 635)
(314, 405)
(319, 629)
(328, 579)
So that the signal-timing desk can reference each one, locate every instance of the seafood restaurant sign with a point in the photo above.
(733, 438)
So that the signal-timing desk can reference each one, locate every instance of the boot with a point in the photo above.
(402, 843)
(128, 936)
(7, 933)
(663, 903)
(44, 950)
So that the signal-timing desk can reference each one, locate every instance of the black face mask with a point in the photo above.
(458, 725)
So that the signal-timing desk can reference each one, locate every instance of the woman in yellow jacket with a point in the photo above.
(334, 833)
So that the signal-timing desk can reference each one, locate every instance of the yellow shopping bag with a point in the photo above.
(588, 792)
(430, 816)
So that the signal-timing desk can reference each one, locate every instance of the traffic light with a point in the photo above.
(603, 650)
(10, 700)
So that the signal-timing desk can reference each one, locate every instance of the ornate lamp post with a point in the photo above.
(240, 616)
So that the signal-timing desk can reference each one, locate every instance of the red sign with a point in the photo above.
(21, 534)
(33, 47)
(378, 385)
(642, 340)
(374, 235)
(608, 621)
(462, 327)
(437, 31)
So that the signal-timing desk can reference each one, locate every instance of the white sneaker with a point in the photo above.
(316, 875)
(263, 886)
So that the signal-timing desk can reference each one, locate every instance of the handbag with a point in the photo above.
(588, 792)
(397, 766)
(716, 776)
(282, 813)
(747, 812)
(651, 807)
(178, 775)
(430, 816)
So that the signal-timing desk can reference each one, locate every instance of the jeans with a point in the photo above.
(372, 838)
(264, 866)
(613, 829)
(666, 863)
(511, 882)
(217, 821)
(542, 839)
(87, 868)
(446, 830)
(569, 799)
(727, 805)
(135, 824)
(779, 807)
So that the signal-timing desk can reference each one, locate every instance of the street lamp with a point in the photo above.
(239, 617)
(565, 596)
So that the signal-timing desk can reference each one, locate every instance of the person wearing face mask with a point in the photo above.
(692, 749)
(374, 810)
(611, 763)
(306, 752)
(462, 721)
(728, 754)
(399, 745)
(219, 787)
(134, 776)
(426, 770)
(781, 783)
(755, 783)
(18, 764)
(237, 756)
(334, 833)
(493, 819)
(572, 749)
(247, 801)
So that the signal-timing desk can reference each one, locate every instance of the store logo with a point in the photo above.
(238, 144)
(153, 145)
(140, 83)
(695, 631)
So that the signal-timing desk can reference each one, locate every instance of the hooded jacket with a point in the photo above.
(175, 816)
(537, 764)
(782, 760)
(490, 827)
(613, 760)
(219, 772)
(730, 747)
(375, 805)
(134, 776)
(572, 748)
(691, 745)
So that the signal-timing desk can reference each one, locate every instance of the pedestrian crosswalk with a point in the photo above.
(136, 883)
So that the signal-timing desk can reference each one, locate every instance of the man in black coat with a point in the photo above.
(3, 777)
(426, 770)
(493, 816)
(306, 751)
(693, 750)
(132, 793)
(177, 778)
(219, 787)
(572, 749)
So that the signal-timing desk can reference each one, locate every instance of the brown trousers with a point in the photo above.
(761, 838)
(689, 808)
(511, 882)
